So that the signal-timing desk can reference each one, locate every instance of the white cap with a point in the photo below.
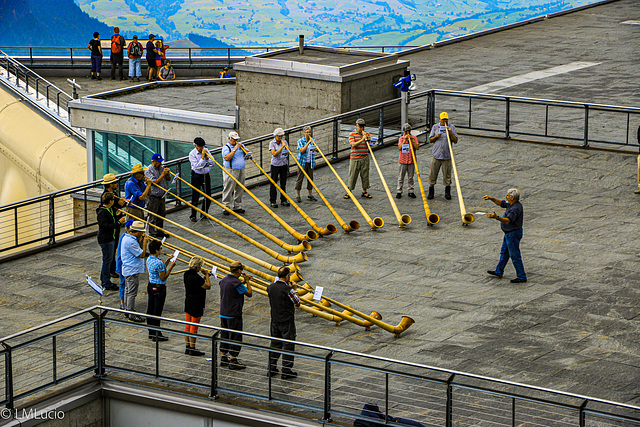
(234, 135)
(278, 132)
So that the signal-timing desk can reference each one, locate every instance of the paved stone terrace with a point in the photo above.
(571, 327)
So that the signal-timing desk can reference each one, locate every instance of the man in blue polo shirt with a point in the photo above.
(511, 224)
(234, 162)
(134, 251)
(136, 190)
(233, 288)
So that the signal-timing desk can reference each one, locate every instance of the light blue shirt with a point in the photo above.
(198, 164)
(131, 261)
(155, 267)
(237, 162)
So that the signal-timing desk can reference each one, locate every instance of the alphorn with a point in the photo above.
(316, 309)
(310, 235)
(329, 229)
(304, 245)
(431, 217)
(301, 256)
(376, 222)
(467, 217)
(402, 219)
(353, 225)
(268, 251)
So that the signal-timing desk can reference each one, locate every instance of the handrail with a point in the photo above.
(350, 359)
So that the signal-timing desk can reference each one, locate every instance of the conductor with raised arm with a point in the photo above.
(511, 224)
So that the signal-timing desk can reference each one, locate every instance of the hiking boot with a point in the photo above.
(194, 352)
(235, 364)
(224, 361)
(399, 196)
(285, 203)
(431, 193)
(412, 195)
(288, 374)
(447, 192)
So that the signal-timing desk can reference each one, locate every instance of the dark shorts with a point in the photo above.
(151, 62)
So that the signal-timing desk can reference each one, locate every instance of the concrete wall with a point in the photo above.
(369, 90)
(88, 415)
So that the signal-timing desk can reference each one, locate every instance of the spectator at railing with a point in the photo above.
(96, 56)
(167, 72)
(134, 51)
(117, 53)
(151, 58)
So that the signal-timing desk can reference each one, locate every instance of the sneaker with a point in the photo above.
(285, 203)
(399, 196)
(136, 318)
(93, 77)
(298, 199)
(224, 361)
(288, 374)
(493, 273)
(518, 280)
(274, 205)
(99, 78)
(273, 372)
(193, 219)
(195, 352)
(235, 365)
(158, 338)
(412, 195)
(122, 306)
(313, 199)
(239, 211)
(225, 212)
(131, 80)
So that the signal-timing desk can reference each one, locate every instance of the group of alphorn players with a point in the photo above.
(147, 188)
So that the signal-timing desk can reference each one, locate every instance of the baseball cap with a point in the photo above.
(278, 132)
(157, 157)
(360, 122)
(236, 265)
(444, 115)
(234, 135)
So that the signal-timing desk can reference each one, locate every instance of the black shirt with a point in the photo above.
(95, 47)
(515, 213)
(195, 294)
(108, 225)
(282, 308)
(231, 301)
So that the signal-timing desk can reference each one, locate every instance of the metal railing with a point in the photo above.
(332, 384)
(50, 217)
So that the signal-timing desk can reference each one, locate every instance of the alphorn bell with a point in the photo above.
(301, 256)
(302, 246)
(376, 222)
(402, 219)
(431, 217)
(353, 225)
(329, 229)
(467, 217)
(310, 235)
(258, 245)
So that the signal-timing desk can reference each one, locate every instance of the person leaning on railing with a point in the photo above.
(96, 56)
(108, 224)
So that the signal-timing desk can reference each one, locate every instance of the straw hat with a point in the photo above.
(137, 226)
(109, 179)
(138, 169)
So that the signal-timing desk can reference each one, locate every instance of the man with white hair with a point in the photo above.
(279, 168)
(511, 224)
(234, 163)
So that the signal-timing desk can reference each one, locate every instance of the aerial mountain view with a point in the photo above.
(274, 22)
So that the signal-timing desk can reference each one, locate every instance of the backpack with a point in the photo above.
(135, 50)
(116, 45)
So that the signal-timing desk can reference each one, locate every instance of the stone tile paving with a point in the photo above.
(571, 327)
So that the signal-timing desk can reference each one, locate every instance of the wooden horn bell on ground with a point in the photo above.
(329, 229)
(373, 223)
(310, 235)
(268, 251)
(353, 225)
(432, 218)
(402, 219)
(467, 217)
(304, 245)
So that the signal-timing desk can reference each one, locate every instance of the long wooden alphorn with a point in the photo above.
(302, 246)
(402, 219)
(374, 223)
(431, 217)
(329, 229)
(268, 251)
(467, 217)
(310, 235)
(353, 225)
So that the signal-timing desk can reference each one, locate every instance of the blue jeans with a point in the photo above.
(134, 67)
(107, 259)
(96, 64)
(511, 248)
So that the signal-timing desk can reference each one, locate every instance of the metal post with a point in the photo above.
(179, 184)
(55, 360)
(586, 126)
(228, 57)
(449, 410)
(469, 123)
(31, 56)
(381, 127)
(157, 356)
(335, 140)
(190, 61)
(508, 113)
(98, 337)
(71, 55)
(15, 224)
(327, 388)
(8, 375)
(301, 44)
(546, 120)
(386, 397)
(404, 106)
(582, 415)
(213, 393)
(513, 412)
(52, 221)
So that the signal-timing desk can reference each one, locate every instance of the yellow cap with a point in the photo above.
(444, 115)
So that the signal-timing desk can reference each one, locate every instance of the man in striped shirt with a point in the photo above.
(359, 159)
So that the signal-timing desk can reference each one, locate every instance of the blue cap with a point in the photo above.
(129, 223)
(157, 157)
